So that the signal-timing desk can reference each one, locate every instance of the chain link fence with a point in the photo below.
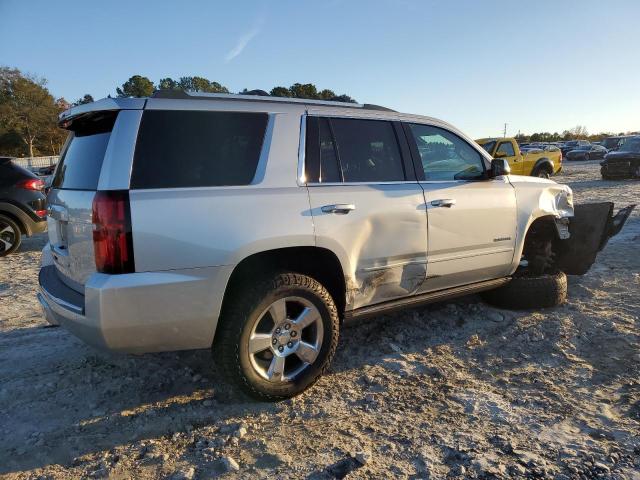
(35, 163)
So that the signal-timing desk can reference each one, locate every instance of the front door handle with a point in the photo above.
(340, 208)
(444, 202)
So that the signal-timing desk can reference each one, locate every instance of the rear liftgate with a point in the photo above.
(591, 228)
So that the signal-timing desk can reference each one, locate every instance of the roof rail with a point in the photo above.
(258, 96)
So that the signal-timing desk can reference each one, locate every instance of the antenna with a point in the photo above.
(505, 131)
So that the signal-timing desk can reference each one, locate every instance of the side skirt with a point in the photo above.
(422, 299)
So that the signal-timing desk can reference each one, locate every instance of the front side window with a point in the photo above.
(352, 150)
(445, 156)
(507, 149)
(197, 149)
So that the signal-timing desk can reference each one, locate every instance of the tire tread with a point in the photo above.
(226, 350)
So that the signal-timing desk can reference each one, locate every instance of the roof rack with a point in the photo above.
(259, 96)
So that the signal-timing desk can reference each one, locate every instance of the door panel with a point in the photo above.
(473, 239)
(515, 161)
(382, 242)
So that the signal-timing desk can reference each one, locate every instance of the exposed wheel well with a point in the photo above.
(543, 166)
(23, 229)
(318, 263)
(539, 244)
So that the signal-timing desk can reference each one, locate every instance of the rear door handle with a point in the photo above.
(444, 202)
(339, 208)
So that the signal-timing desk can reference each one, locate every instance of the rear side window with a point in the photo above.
(197, 149)
(507, 149)
(352, 150)
(81, 160)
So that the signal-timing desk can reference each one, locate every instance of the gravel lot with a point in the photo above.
(452, 390)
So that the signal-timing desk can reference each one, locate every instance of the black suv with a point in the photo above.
(23, 208)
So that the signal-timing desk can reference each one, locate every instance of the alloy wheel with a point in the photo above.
(286, 339)
(7, 237)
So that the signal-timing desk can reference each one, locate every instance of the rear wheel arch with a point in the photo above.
(543, 164)
(318, 263)
(10, 212)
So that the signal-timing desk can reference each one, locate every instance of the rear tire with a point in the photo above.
(10, 236)
(529, 292)
(262, 343)
(542, 172)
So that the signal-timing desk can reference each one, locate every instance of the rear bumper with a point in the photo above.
(138, 312)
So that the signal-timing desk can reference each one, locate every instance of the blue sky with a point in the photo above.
(543, 65)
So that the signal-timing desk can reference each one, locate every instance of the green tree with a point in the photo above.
(343, 98)
(307, 90)
(326, 94)
(200, 84)
(27, 109)
(280, 92)
(85, 99)
(136, 86)
(168, 84)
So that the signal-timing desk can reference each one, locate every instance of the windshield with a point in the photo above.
(571, 144)
(610, 142)
(584, 147)
(489, 146)
(631, 145)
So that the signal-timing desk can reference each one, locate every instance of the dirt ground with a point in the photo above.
(453, 390)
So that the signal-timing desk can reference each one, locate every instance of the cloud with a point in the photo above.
(243, 41)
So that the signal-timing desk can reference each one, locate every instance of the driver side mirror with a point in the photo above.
(499, 167)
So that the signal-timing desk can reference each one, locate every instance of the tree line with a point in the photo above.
(140, 86)
(29, 112)
(578, 132)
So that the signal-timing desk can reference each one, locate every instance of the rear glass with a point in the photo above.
(81, 160)
(197, 149)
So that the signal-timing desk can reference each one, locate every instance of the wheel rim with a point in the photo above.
(286, 339)
(543, 174)
(7, 237)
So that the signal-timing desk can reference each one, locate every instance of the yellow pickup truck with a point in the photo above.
(542, 161)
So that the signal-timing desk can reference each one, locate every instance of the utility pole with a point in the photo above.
(505, 131)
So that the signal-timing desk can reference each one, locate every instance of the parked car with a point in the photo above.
(533, 160)
(614, 143)
(256, 226)
(625, 163)
(22, 205)
(587, 152)
(572, 145)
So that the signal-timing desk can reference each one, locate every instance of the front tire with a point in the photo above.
(278, 337)
(10, 236)
(528, 292)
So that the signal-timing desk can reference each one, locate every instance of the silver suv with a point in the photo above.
(256, 225)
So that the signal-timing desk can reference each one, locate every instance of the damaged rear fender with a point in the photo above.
(590, 229)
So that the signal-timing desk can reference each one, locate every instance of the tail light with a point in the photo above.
(41, 213)
(31, 184)
(112, 238)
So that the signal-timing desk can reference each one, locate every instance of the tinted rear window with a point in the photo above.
(197, 149)
(81, 161)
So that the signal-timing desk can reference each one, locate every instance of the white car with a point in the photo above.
(256, 225)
